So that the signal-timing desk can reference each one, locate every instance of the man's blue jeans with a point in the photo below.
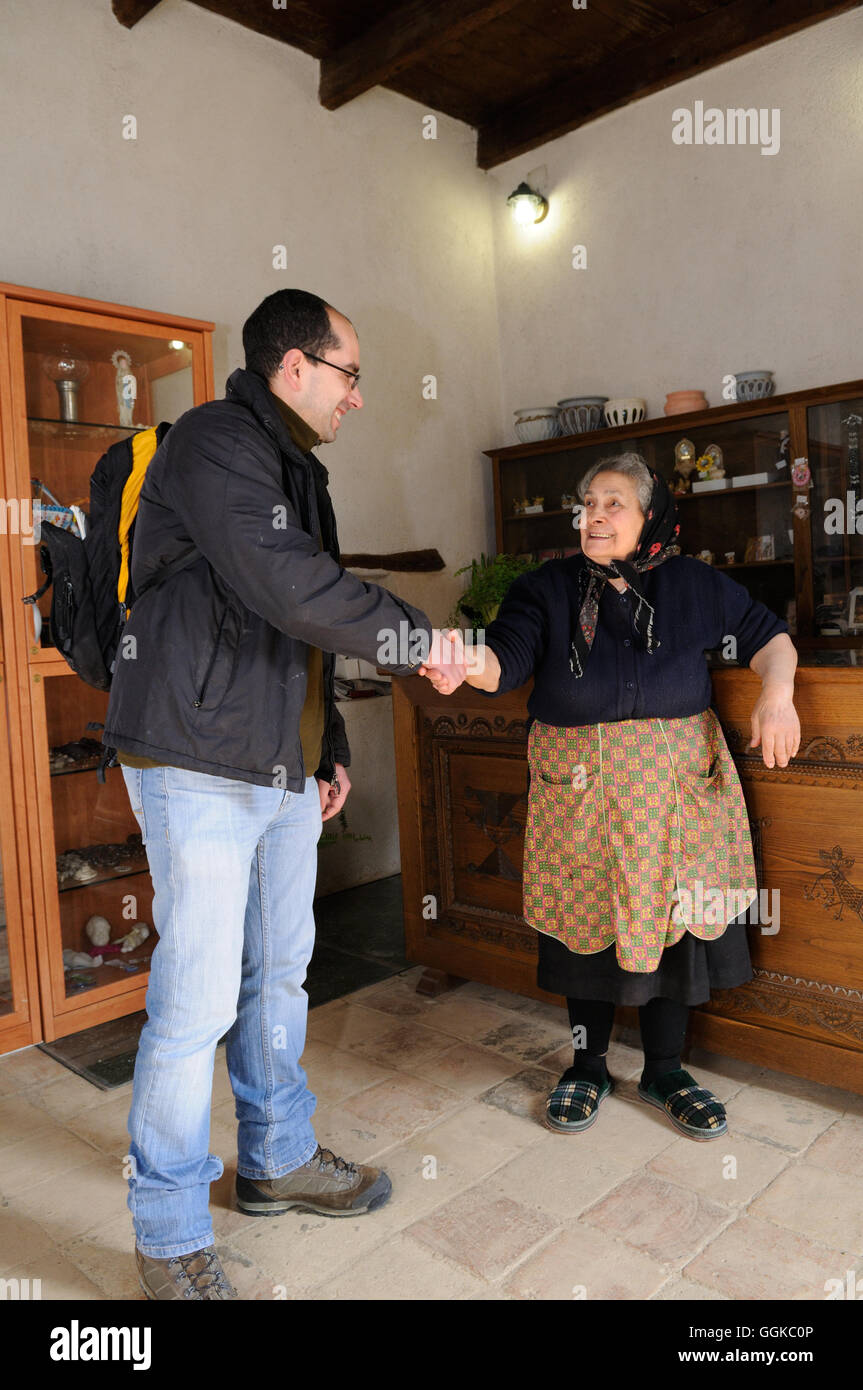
(233, 867)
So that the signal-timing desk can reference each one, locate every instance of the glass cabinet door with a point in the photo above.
(739, 521)
(88, 380)
(19, 997)
(836, 505)
(87, 386)
(7, 991)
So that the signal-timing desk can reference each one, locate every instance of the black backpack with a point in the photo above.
(93, 592)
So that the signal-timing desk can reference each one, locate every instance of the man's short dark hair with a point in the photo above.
(284, 320)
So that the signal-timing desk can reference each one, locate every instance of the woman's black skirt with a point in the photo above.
(687, 971)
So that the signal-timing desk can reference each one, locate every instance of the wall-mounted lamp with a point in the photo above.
(527, 206)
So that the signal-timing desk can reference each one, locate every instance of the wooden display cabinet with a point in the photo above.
(813, 569)
(60, 806)
(462, 767)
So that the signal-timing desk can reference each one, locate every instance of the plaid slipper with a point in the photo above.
(692, 1110)
(574, 1103)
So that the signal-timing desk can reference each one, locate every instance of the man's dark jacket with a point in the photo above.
(216, 678)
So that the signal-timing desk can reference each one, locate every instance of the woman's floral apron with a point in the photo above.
(636, 832)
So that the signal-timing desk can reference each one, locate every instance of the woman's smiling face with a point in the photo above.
(611, 518)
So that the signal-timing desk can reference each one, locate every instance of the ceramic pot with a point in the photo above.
(580, 414)
(682, 402)
(625, 410)
(753, 386)
(537, 422)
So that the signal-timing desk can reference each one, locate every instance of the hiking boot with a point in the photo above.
(197, 1275)
(326, 1184)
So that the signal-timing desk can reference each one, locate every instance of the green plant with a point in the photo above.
(490, 577)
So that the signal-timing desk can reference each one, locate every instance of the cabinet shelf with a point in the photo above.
(89, 766)
(48, 661)
(754, 564)
(60, 428)
(106, 876)
(533, 516)
(678, 497)
(729, 491)
(84, 767)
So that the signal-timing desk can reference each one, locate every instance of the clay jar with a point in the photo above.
(682, 402)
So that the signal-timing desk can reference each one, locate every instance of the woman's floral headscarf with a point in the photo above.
(656, 544)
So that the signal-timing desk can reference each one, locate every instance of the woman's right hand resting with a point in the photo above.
(450, 664)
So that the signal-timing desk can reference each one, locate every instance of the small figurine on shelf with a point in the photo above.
(784, 450)
(72, 959)
(140, 931)
(517, 506)
(684, 462)
(126, 386)
(706, 556)
(98, 929)
(710, 463)
(853, 422)
(568, 500)
(714, 452)
(536, 505)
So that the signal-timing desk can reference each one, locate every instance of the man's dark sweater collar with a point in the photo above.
(253, 391)
(302, 433)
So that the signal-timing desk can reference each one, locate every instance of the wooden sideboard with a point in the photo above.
(462, 794)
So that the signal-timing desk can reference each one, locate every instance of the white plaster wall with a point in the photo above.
(701, 260)
(234, 155)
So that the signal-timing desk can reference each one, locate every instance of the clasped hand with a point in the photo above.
(448, 663)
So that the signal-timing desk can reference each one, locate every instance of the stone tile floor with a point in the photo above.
(448, 1095)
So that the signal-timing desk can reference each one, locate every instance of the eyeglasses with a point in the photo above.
(353, 377)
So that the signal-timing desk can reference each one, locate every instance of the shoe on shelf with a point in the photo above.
(692, 1109)
(573, 1104)
(197, 1275)
(326, 1184)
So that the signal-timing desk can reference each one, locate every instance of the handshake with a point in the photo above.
(450, 663)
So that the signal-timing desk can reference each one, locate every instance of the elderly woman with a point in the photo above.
(637, 855)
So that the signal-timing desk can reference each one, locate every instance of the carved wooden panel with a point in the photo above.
(809, 862)
(477, 767)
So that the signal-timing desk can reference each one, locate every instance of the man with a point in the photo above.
(233, 753)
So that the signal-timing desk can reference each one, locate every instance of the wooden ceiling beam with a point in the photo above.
(128, 12)
(691, 48)
(406, 36)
